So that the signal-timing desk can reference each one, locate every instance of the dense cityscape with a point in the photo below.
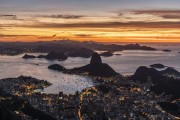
(117, 98)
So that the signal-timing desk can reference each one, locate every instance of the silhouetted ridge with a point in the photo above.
(41, 56)
(50, 56)
(107, 54)
(167, 50)
(82, 52)
(95, 59)
(143, 72)
(158, 65)
(165, 81)
(56, 55)
(171, 71)
(96, 68)
(26, 56)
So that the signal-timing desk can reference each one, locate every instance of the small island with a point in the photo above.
(106, 54)
(167, 50)
(26, 56)
(57, 67)
(157, 66)
(50, 56)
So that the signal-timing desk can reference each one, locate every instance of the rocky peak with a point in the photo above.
(95, 59)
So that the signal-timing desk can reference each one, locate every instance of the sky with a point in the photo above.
(95, 20)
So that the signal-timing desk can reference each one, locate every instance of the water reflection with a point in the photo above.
(126, 63)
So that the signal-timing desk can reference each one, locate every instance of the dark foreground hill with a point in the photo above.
(9, 104)
(166, 81)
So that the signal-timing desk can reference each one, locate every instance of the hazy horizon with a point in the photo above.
(106, 42)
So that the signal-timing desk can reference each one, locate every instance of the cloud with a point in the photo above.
(84, 35)
(65, 16)
(3, 26)
(54, 35)
(49, 37)
(4, 35)
(120, 14)
(175, 16)
(157, 11)
(11, 17)
(140, 24)
(134, 21)
(8, 16)
(168, 14)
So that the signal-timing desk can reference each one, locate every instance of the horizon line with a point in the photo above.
(29, 41)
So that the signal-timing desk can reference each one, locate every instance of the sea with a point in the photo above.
(125, 63)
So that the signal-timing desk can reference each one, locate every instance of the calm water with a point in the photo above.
(126, 63)
(16, 66)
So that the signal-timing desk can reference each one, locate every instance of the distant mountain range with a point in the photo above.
(14, 48)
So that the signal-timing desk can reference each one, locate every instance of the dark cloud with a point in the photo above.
(48, 37)
(84, 35)
(157, 11)
(4, 35)
(6, 25)
(120, 14)
(54, 35)
(8, 16)
(140, 24)
(152, 37)
(11, 17)
(176, 16)
(169, 14)
(63, 16)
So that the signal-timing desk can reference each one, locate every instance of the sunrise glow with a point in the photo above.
(83, 20)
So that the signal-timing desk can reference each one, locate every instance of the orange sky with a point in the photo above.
(106, 25)
(106, 34)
